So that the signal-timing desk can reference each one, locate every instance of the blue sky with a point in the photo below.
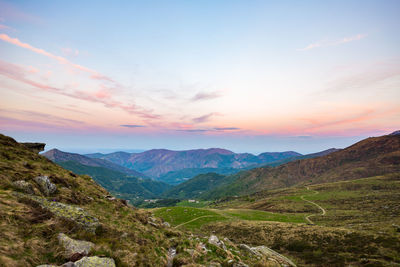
(244, 75)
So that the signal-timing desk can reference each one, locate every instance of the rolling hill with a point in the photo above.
(369, 157)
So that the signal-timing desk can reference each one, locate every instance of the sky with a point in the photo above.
(249, 76)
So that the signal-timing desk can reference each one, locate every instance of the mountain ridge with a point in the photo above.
(368, 157)
(157, 162)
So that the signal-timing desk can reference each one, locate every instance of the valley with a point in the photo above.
(333, 208)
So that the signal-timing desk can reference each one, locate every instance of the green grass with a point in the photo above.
(187, 216)
(257, 215)
(201, 204)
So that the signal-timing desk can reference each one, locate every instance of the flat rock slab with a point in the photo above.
(95, 262)
(72, 246)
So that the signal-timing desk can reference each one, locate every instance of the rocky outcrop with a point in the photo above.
(45, 185)
(68, 212)
(87, 262)
(35, 147)
(74, 249)
(24, 187)
(95, 262)
(214, 240)
(263, 251)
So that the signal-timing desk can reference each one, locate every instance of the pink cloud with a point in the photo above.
(103, 96)
(205, 96)
(61, 60)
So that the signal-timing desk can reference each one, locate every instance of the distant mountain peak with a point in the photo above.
(395, 133)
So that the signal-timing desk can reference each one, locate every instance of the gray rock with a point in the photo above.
(213, 239)
(269, 253)
(72, 246)
(239, 264)
(248, 249)
(45, 185)
(95, 262)
(69, 264)
(166, 224)
(24, 186)
(154, 224)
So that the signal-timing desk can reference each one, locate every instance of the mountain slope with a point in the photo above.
(121, 185)
(194, 187)
(369, 157)
(158, 162)
(56, 155)
(40, 202)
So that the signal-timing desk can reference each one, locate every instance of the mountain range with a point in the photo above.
(161, 164)
(369, 157)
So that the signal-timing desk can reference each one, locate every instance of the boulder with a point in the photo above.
(239, 264)
(45, 185)
(24, 186)
(73, 247)
(166, 224)
(35, 147)
(95, 262)
(213, 239)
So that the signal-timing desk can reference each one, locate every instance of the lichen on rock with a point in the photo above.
(95, 262)
(73, 247)
(45, 185)
(24, 186)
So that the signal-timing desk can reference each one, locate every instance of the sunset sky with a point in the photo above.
(250, 76)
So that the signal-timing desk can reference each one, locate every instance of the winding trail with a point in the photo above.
(323, 211)
(194, 220)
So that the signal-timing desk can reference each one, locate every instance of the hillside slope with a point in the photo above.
(369, 157)
(71, 218)
(56, 155)
(194, 187)
(124, 186)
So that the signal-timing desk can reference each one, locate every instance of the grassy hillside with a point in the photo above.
(181, 176)
(77, 206)
(122, 185)
(372, 156)
(194, 187)
(361, 226)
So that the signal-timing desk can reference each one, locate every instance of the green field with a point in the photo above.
(194, 218)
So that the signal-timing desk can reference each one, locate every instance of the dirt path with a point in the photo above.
(323, 211)
(194, 220)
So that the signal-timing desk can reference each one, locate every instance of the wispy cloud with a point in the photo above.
(203, 118)
(43, 118)
(216, 129)
(205, 96)
(325, 43)
(227, 129)
(15, 41)
(101, 96)
(4, 27)
(132, 126)
(193, 130)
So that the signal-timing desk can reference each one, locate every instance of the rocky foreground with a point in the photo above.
(52, 217)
